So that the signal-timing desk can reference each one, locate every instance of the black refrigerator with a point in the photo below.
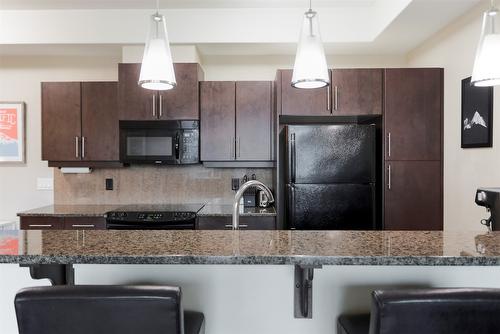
(330, 177)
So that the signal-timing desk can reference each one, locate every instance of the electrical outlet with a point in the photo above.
(44, 183)
(235, 183)
(109, 184)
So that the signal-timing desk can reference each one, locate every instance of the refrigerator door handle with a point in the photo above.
(292, 158)
(291, 206)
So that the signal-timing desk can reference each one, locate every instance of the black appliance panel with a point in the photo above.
(331, 154)
(331, 206)
(153, 217)
(159, 142)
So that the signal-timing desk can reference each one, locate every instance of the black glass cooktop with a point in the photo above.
(160, 208)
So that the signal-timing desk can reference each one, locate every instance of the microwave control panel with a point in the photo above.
(190, 146)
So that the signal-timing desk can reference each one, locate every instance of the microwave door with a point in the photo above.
(151, 145)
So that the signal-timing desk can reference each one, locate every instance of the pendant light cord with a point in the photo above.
(157, 6)
(310, 4)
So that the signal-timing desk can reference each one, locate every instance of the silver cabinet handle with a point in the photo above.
(389, 144)
(230, 226)
(232, 153)
(161, 105)
(328, 103)
(77, 153)
(389, 181)
(154, 105)
(40, 225)
(239, 146)
(336, 98)
(83, 225)
(83, 147)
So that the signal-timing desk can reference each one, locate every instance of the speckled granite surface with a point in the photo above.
(69, 211)
(251, 247)
(224, 210)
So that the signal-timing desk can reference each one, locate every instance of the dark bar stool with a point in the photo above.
(429, 311)
(104, 310)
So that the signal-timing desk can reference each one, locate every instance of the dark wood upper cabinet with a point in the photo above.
(413, 195)
(217, 120)
(413, 113)
(253, 120)
(134, 102)
(100, 130)
(357, 91)
(61, 121)
(307, 102)
(236, 121)
(182, 102)
(79, 123)
(137, 103)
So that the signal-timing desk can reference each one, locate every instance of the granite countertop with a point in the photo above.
(100, 211)
(223, 210)
(69, 211)
(251, 247)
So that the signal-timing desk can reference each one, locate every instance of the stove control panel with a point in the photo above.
(138, 217)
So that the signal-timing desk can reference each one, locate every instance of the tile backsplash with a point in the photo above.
(152, 184)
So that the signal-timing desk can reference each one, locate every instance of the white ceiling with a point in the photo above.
(136, 4)
(228, 27)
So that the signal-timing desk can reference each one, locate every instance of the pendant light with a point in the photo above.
(310, 69)
(486, 70)
(157, 69)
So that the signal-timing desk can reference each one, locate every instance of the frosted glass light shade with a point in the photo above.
(310, 69)
(486, 70)
(157, 69)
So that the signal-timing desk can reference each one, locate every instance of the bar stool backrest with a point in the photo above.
(99, 310)
(435, 311)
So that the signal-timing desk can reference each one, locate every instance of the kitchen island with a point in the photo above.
(263, 275)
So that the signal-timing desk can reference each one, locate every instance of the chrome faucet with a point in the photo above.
(239, 194)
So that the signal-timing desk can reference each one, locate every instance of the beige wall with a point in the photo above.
(464, 169)
(20, 78)
(219, 67)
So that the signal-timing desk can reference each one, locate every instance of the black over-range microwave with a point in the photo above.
(173, 142)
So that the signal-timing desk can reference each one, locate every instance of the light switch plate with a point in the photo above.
(45, 183)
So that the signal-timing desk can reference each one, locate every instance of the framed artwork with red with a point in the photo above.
(12, 132)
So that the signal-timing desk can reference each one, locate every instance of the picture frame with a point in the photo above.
(12, 132)
(476, 116)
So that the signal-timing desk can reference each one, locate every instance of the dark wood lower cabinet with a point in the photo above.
(42, 223)
(84, 223)
(413, 195)
(246, 223)
(63, 223)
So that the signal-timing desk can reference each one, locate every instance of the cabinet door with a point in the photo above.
(308, 102)
(413, 111)
(42, 223)
(100, 128)
(413, 195)
(357, 91)
(217, 120)
(253, 120)
(134, 102)
(182, 102)
(246, 223)
(61, 121)
(84, 223)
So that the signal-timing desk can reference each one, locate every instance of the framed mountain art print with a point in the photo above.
(477, 115)
(12, 132)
